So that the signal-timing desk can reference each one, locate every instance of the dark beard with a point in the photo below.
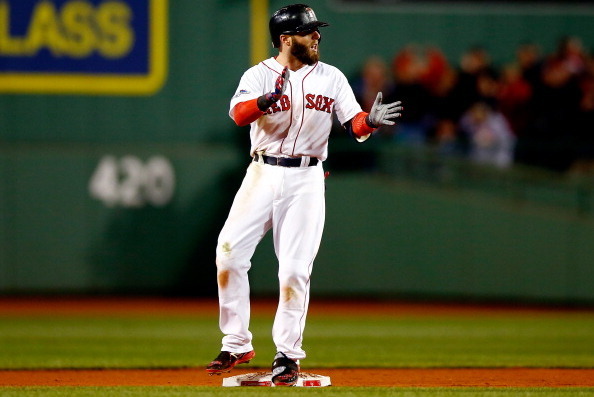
(304, 54)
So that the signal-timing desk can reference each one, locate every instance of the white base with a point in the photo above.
(265, 379)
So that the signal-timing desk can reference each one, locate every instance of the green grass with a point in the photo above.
(264, 392)
(562, 340)
(484, 340)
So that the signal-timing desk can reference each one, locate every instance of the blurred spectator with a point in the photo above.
(446, 138)
(444, 113)
(435, 71)
(443, 102)
(557, 94)
(513, 98)
(375, 77)
(490, 138)
(583, 161)
(487, 86)
(475, 77)
(409, 68)
(555, 105)
(571, 54)
(537, 110)
(529, 59)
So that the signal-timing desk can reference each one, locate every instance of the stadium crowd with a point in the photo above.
(537, 110)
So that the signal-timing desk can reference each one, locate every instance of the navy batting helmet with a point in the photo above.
(293, 19)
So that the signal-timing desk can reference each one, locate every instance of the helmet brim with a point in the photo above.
(308, 27)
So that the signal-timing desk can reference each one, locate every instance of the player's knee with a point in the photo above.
(291, 295)
(229, 270)
(293, 291)
(231, 260)
(224, 250)
(294, 276)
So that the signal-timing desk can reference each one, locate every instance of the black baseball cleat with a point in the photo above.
(285, 371)
(225, 361)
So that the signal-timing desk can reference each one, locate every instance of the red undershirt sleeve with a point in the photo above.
(360, 126)
(246, 112)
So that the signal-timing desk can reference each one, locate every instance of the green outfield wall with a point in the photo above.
(118, 160)
(490, 235)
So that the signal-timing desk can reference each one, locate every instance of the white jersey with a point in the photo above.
(299, 123)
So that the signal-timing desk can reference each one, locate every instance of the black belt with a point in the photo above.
(284, 161)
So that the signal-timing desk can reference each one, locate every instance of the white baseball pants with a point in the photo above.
(291, 202)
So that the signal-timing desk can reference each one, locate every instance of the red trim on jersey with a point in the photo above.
(270, 67)
(360, 126)
(246, 112)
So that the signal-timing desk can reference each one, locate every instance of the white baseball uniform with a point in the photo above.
(290, 200)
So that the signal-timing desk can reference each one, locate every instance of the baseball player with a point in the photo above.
(289, 101)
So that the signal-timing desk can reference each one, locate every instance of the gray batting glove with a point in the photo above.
(383, 114)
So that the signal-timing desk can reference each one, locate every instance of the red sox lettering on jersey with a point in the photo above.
(317, 102)
(304, 112)
(282, 105)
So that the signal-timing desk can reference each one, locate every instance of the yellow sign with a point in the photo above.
(83, 46)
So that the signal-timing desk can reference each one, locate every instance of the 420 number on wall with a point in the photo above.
(132, 183)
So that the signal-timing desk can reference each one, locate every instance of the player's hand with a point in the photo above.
(279, 86)
(383, 114)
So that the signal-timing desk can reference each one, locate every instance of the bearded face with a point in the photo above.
(308, 54)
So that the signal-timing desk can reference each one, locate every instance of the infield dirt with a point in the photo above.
(509, 377)
(365, 377)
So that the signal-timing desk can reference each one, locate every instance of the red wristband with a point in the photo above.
(246, 112)
(360, 126)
